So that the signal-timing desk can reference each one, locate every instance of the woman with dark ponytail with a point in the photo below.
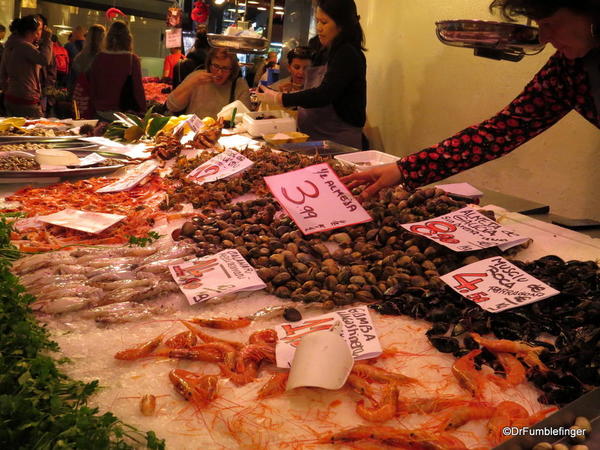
(333, 104)
(21, 65)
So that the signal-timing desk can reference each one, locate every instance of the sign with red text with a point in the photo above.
(497, 285)
(466, 230)
(131, 178)
(212, 276)
(225, 164)
(357, 330)
(173, 37)
(316, 199)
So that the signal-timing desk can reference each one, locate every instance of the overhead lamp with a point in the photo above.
(253, 2)
(278, 7)
(219, 2)
(279, 12)
(261, 8)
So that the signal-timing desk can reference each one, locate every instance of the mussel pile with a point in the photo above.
(219, 193)
(356, 264)
(567, 325)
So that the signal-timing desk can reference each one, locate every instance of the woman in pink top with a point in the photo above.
(111, 70)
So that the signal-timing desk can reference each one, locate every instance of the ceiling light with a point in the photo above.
(219, 2)
(279, 12)
(253, 2)
(277, 7)
(261, 8)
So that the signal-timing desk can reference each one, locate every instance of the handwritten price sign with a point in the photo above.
(316, 199)
(132, 177)
(497, 285)
(221, 166)
(224, 273)
(357, 329)
(466, 230)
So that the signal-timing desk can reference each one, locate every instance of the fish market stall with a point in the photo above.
(134, 299)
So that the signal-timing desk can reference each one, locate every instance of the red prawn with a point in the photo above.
(141, 350)
(274, 386)
(223, 323)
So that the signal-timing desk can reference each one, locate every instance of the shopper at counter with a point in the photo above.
(205, 92)
(21, 64)
(194, 60)
(299, 59)
(334, 101)
(81, 66)
(569, 80)
(116, 74)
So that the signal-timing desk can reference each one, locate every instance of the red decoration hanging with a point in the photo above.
(200, 12)
(111, 13)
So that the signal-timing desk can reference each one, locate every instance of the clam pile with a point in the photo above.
(219, 193)
(355, 264)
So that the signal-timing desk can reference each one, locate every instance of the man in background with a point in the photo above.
(2, 34)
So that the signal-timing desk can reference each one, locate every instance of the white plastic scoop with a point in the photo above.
(322, 359)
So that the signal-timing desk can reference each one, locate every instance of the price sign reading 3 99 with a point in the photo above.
(316, 199)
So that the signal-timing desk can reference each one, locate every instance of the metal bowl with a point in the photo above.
(238, 44)
(514, 39)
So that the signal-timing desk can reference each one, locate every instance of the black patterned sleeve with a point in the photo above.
(560, 86)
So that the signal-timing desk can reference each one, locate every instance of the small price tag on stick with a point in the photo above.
(212, 276)
(316, 199)
(357, 329)
(497, 285)
(221, 166)
(466, 230)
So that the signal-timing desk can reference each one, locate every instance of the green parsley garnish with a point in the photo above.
(143, 241)
(40, 406)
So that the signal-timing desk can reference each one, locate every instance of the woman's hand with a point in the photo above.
(376, 179)
(268, 96)
(200, 77)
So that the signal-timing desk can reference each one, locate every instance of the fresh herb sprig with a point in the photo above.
(40, 406)
(143, 241)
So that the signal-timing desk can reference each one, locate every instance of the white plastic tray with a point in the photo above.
(367, 159)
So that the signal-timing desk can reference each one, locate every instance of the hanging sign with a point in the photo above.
(173, 37)
(466, 230)
(497, 285)
(316, 199)
(357, 330)
(221, 166)
(212, 276)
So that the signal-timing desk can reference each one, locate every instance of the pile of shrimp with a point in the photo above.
(138, 204)
(381, 393)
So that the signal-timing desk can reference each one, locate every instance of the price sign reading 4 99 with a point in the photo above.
(497, 285)
(316, 199)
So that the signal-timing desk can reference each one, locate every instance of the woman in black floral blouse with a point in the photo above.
(569, 80)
